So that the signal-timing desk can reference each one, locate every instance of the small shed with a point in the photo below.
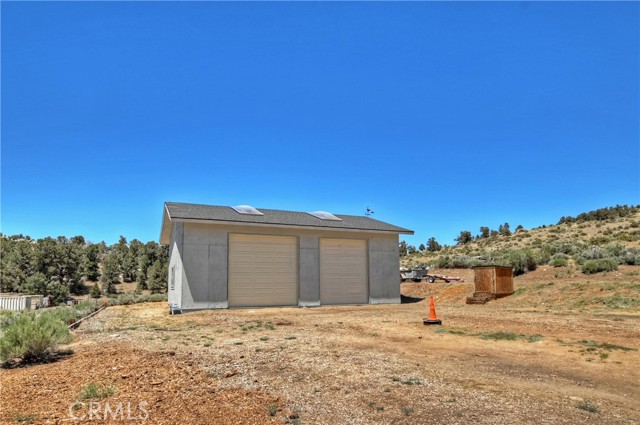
(491, 282)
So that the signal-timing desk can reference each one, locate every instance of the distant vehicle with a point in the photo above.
(414, 274)
(417, 275)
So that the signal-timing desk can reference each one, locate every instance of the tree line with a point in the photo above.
(464, 237)
(609, 213)
(59, 267)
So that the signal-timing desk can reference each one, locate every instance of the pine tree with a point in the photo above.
(110, 273)
(464, 237)
(433, 245)
(95, 291)
(157, 277)
(90, 266)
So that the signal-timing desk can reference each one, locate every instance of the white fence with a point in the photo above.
(17, 302)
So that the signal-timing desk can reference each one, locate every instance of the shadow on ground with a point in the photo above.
(409, 300)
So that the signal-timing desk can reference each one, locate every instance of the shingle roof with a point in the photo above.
(216, 213)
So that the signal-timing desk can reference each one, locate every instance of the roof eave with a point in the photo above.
(165, 229)
(285, 226)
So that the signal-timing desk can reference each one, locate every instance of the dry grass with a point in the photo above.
(586, 231)
(359, 364)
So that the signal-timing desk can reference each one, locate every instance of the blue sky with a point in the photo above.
(440, 117)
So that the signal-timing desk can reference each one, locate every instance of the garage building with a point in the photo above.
(241, 256)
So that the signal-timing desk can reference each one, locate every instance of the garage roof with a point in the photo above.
(175, 211)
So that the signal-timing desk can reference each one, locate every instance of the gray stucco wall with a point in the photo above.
(175, 265)
(384, 278)
(309, 265)
(205, 265)
(201, 251)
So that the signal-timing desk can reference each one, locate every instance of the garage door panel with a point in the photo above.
(262, 270)
(343, 271)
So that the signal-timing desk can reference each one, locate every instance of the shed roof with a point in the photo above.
(180, 212)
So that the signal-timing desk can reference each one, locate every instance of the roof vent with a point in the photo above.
(246, 210)
(323, 215)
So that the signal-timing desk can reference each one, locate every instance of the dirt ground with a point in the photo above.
(534, 357)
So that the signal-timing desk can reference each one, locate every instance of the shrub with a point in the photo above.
(67, 315)
(31, 337)
(522, 260)
(443, 262)
(85, 308)
(461, 262)
(631, 257)
(587, 406)
(126, 299)
(593, 253)
(559, 260)
(6, 318)
(564, 247)
(94, 391)
(457, 262)
(157, 297)
(600, 265)
(63, 314)
(615, 249)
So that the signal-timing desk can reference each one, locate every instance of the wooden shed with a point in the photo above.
(491, 282)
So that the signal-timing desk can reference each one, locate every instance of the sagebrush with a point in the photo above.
(31, 337)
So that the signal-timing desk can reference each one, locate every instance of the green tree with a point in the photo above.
(18, 263)
(504, 229)
(59, 292)
(61, 260)
(403, 248)
(90, 262)
(433, 245)
(36, 284)
(39, 284)
(78, 240)
(147, 255)
(485, 232)
(157, 277)
(95, 291)
(422, 247)
(110, 275)
(464, 237)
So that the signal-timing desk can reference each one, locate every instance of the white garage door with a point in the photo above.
(343, 271)
(263, 270)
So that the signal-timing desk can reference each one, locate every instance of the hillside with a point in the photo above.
(608, 233)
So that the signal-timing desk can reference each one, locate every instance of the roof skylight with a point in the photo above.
(323, 215)
(246, 210)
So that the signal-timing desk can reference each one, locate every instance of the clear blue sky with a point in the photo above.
(441, 117)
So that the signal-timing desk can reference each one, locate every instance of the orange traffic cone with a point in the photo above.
(433, 319)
